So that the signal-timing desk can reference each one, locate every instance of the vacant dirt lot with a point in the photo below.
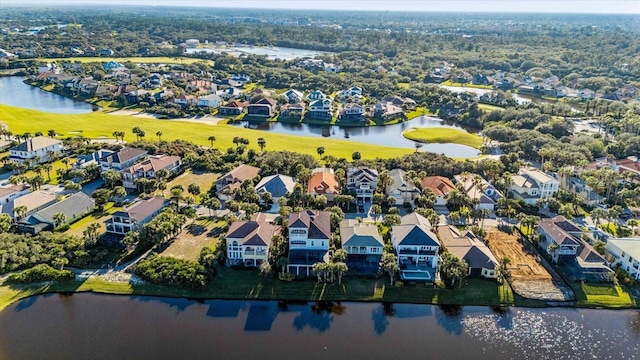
(528, 277)
(203, 179)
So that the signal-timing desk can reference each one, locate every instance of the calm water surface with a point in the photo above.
(89, 326)
(273, 52)
(16, 93)
(390, 135)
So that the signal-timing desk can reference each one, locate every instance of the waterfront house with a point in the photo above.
(316, 95)
(211, 101)
(73, 208)
(293, 111)
(135, 216)
(148, 169)
(309, 240)
(248, 241)
(293, 96)
(363, 244)
(625, 254)
(121, 159)
(417, 248)
(263, 107)
(323, 181)
(531, 185)
(363, 181)
(465, 245)
(440, 186)
(232, 107)
(234, 178)
(404, 191)
(321, 109)
(36, 150)
(351, 112)
(185, 100)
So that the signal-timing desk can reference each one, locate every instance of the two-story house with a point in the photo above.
(295, 110)
(148, 169)
(354, 93)
(531, 185)
(351, 112)
(416, 247)
(562, 240)
(363, 181)
(233, 107)
(36, 150)
(121, 159)
(133, 217)
(233, 179)
(248, 241)
(85, 160)
(309, 240)
(440, 186)
(323, 181)
(321, 109)
(625, 253)
(263, 107)
(9, 193)
(316, 95)
(466, 246)
(363, 245)
(404, 191)
(211, 101)
(293, 96)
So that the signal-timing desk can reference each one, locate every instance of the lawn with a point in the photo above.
(96, 124)
(443, 135)
(202, 179)
(137, 60)
(468, 85)
(603, 295)
(98, 216)
(193, 238)
(419, 111)
(487, 107)
(247, 284)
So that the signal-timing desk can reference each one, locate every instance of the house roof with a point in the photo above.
(438, 184)
(240, 174)
(143, 208)
(278, 185)
(414, 235)
(153, 163)
(123, 155)
(524, 181)
(415, 219)
(93, 157)
(266, 101)
(35, 199)
(465, 245)
(323, 183)
(298, 106)
(320, 102)
(293, 93)
(471, 189)
(256, 233)
(560, 230)
(36, 143)
(630, 246)
(4, 191)
(235, 104)
(399, 183)
(75, 204)
(354, 233)
(318, 223)
(588, 254)
(537, 175)
(362, 172)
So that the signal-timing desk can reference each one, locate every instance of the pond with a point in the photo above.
(389, 135)
(91, 326)
(272, 52)
(14, 92)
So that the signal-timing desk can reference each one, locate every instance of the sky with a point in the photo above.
(546, 6)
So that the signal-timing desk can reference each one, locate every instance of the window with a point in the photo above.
(311, 243)
(322, 244)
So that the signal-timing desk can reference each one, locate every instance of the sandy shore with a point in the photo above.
(207, 119)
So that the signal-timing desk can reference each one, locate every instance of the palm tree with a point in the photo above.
(418, 145)
(390, 265)
(51, 133)
(502, 270)
(320, 150)
(262, 143)
(48, 167)
(91, 234)
(59, 219)
(340, 268)
(20, 211)
(159, 135)
(211, 139)
(320, 269)
(65, 161)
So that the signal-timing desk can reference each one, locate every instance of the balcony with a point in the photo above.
(416, 252)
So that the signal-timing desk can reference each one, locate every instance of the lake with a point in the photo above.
(16, 93)
(272, 52)
(389, 135)
(91, 326)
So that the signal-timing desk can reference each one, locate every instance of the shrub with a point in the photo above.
(39, 273)
(286, 276)
(174, 272)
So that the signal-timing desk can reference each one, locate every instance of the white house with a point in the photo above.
(148, 169)
(321, 109)
(440, 186)
(248, 242)
(531, 185)
(10, 193)
(402, 190)
(212, 101)
(309, 240)
(363, 245)
(352, 112)
(121, 159)
(316, 95)
(36, 150)
(133, 217)
(486, 195)
(363, 181)
(293, 96)
(417, 248)
(625, 253)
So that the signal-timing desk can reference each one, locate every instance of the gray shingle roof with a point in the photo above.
(353, 233)
(278, 185)
(318, 223)
(72, 207)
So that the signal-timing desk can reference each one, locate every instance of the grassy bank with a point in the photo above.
(97, 124)
(443, 135)
(244, 284)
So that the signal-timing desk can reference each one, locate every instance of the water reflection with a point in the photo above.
(16, 93)
(449, 317)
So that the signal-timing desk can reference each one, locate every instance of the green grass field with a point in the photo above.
(137, 60)
(443, 135)
(97, 124)
(469, 85)
(603, 295)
